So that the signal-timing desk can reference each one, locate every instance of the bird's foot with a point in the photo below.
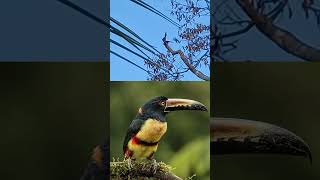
(154, 166)
(129, 161)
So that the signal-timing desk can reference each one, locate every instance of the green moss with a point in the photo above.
(146, 169)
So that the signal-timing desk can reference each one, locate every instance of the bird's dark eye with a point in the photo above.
(162, 103)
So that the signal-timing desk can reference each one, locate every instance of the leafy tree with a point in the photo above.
(230, 20)
(193, 38)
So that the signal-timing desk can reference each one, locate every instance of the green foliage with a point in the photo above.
(145, 169)
(193, 159)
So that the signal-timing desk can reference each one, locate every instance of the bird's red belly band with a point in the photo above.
(136, 140)
(128, 153)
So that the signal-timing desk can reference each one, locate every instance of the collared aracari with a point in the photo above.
(228, 136)
(238, 136)
(149, 125)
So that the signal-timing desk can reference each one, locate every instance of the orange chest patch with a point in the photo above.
(152, 130)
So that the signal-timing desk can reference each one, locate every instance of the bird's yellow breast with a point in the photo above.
(140, 151)
(152, 130)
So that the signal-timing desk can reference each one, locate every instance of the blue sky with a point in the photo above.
(44, 31)
(253, 46)
(150, 27)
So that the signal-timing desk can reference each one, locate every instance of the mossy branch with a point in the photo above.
(141, 169)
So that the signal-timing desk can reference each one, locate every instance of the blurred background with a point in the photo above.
(185, 146)
(52, 116)
(285, 94)
(52, 31)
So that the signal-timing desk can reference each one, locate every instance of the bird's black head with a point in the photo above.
(154, 108)
(159, 106)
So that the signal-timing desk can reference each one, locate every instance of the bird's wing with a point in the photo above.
(132, 130)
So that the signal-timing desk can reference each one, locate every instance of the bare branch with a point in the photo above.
(284, 39)
(184, 59)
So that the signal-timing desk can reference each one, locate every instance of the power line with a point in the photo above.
(84, 12)
(130, 62)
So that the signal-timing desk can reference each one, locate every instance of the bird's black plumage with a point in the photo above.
(133, 129)
(148, 127)
(151, 109)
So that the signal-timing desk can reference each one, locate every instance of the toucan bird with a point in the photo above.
(235, 136)
(228, 136)
(145, 131)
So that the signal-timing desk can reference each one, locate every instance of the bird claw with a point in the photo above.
(129, 163)
(154, 166)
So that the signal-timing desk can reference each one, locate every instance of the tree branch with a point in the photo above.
(184, 59)
(138, 169)
(284, 39)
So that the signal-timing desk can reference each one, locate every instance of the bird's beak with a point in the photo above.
(232, 136)
(183, 104)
